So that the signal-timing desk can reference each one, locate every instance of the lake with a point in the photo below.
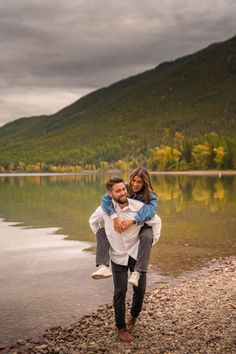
(47, 248)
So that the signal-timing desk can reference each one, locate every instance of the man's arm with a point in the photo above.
(95, 219)
(155, 223)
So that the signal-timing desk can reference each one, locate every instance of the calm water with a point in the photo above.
(45, 277)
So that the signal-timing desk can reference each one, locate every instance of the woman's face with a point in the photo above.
(136, 184)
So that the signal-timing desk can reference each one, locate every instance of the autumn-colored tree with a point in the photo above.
(122, 165)
(219, 156)
(104, 165)
(201, 154)
(164, 158)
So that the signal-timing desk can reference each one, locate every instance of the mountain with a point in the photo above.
(194, 94)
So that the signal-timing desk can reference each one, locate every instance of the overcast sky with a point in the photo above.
(54, 51)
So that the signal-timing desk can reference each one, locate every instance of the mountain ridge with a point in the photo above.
(194, 94)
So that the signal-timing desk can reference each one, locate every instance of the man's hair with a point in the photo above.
(112, 181)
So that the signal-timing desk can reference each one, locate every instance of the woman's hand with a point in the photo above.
(126, 224)
(117, 225)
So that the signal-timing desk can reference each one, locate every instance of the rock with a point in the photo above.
(36, 340)
(3, 346)
(177, 318)
(20, 342)
(5, 349)
(43, 346)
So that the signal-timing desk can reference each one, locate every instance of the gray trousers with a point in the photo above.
(120, 279)
(144, 250)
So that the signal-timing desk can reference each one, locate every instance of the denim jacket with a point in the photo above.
(144, 214)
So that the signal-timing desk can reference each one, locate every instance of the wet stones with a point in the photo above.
(193, 315)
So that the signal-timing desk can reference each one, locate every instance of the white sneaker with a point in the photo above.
(134, 279)
(103, 272)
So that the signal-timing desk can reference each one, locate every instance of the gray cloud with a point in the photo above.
(53, 52)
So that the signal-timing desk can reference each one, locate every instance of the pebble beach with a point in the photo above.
(192, 314)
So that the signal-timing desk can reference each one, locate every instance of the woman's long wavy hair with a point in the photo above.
(147, 184)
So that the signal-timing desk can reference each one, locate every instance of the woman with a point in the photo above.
(139, 188)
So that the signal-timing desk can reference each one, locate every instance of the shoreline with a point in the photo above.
(89, 172)
(190, 315)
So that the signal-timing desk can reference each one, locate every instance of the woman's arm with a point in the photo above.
(148, 211)
(107, 205)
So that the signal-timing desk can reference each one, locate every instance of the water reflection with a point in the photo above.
(198, 212)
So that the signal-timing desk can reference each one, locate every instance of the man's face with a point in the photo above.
(119, 193)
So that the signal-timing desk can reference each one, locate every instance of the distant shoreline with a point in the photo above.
(116, 171)
(197, 173)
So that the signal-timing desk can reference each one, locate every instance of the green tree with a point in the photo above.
(178, 142)
(21, 166)
(219, 156)
(201, 154)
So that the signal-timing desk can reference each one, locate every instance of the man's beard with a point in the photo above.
(121, 200)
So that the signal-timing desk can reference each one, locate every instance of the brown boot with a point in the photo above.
(124, 335)
(131, 323)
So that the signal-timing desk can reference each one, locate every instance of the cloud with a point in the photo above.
(66, 48)
(36, 101)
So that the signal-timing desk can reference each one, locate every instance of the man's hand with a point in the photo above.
(117, 225)
(126, 224)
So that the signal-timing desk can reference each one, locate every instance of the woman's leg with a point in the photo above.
(103, 246)
(102, 256)
(144, 250)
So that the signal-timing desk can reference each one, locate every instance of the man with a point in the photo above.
(123, 252)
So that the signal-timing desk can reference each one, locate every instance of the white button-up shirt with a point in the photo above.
(125, 244)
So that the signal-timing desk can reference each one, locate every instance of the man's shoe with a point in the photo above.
(131, 323)
(124, 335)
(103, 272)
(134, 278)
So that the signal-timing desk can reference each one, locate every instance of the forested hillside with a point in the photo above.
(179, 115)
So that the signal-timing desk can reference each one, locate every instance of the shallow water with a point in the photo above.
(45, 281)
(45, 277)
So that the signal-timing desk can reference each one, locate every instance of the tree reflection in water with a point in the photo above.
(197, 212)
